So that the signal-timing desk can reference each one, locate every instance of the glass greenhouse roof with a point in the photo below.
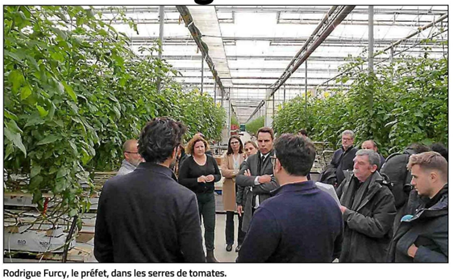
(251, 46)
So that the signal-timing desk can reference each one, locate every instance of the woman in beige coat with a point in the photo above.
(231, 164)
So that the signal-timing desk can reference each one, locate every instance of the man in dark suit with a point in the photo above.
(300, 223)
(343, 158)
(146, 216)
(256, 179)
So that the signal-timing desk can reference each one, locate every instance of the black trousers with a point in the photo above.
(229, 228)
(206, 207)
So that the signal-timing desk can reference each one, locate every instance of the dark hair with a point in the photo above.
(159, 138)
(303, 132)
(266, 129)
(440, 148)
(295, 153)
(193, 141)
(419, 148)
(241, 147)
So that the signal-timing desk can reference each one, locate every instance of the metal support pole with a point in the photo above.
(392, 55)
(160, 50)
(215, 93)
(284, 94)
(371, 62)
(202, 73)
(371, 39)
(273, 105)
(305, 75)
(162, 20)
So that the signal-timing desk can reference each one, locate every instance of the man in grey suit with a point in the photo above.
(256, 179)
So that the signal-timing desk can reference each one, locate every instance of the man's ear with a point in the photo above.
(433, 175)
(374, 168)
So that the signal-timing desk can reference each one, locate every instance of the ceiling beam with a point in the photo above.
(196, 34)
(334, 16)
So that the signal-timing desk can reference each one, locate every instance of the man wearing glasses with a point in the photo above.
(132, 157)
(300, 223)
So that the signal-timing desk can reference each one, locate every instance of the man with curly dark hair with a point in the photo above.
(146, 216)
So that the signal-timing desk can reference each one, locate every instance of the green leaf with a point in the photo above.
(9, 115)
(15, 56)
(17, 79)
(13, 126)
(70, 91)
(25, 92)
(34, 119)
(49, 139)
(42, 111)
(62, 172)
(36, 169)
(73, 146)
(116, 111)
(418, 114)
(16, 139)
(60, 33)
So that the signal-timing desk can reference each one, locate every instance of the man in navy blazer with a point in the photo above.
(300, 223)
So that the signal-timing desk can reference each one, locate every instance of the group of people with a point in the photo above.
(392, 208)
(150, 215)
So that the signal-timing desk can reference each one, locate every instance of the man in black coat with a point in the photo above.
(343, 158)
(146, 216)
(423, 236)
(368, 211)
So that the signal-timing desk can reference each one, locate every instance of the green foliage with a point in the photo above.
(74, 91)
(409, 104)
(234, 120)
(253, 126)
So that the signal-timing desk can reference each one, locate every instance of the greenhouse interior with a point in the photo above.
(79, 81)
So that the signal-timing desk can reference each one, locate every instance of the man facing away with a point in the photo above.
(132, 157)
(343, 158)
(423, 236)
(146, 216)
(300, 223)
(368, 210)
(256, 175)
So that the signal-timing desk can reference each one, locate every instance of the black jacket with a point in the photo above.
(343, 160)
(146, 216)
(428, 230)
(190, 171)
(368, 219)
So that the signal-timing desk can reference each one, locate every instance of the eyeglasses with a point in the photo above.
(128, 152)
(273, 161)
(234, 143)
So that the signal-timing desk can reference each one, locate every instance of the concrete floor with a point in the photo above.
(220, 246)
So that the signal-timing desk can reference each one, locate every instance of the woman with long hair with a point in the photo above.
(231, 164)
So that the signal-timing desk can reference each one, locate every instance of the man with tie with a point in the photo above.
(256, 179)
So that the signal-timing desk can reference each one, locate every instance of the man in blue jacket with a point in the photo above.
(423, 236)
(300, 223)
